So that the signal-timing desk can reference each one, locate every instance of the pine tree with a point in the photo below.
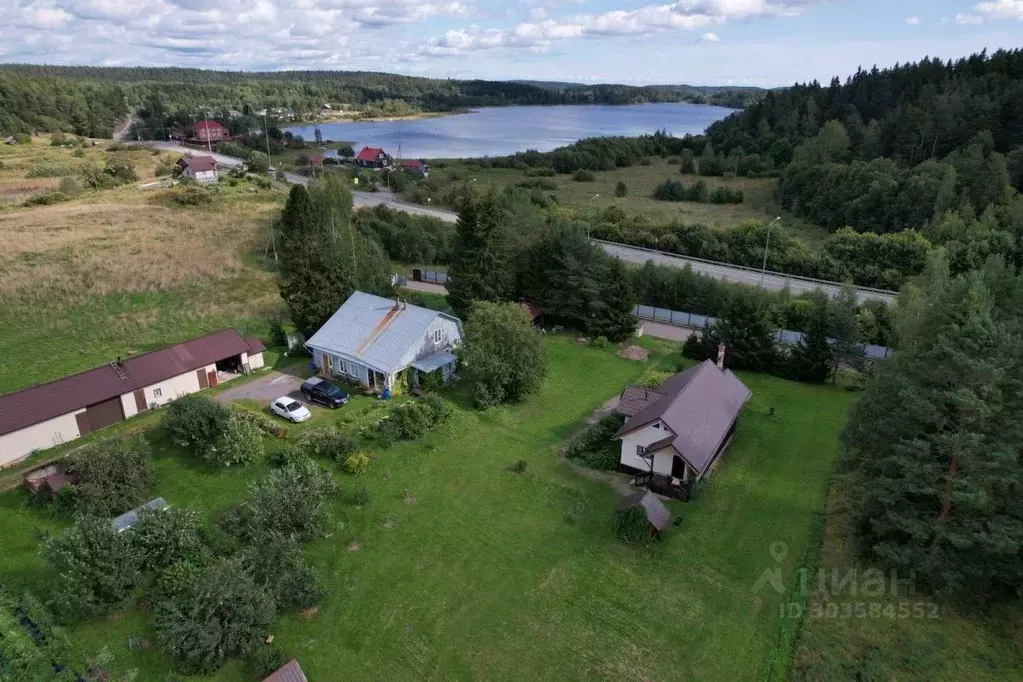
(811, 359)
(323, 258)
(612, 317)
(480, 269)
(747, 335)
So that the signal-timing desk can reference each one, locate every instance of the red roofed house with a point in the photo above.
(316, 160)
(372, 157)
(417, 166)
(674, 435)
(50, 414)
(201, 169)
(210, 131)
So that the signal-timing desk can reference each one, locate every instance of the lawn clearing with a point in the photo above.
(461, 569)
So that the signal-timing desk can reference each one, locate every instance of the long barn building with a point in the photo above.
(54, 413)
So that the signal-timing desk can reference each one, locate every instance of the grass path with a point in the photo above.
(465, 570)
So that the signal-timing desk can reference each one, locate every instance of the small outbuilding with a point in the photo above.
(657, 514)
(289, 672)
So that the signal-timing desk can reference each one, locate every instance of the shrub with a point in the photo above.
(669, 190)
(70, 186)
(724, 195)
(583, 176)
(114, 475)
(196, 421)
(485, 396)
(631, 525)
(164, 169)
(291, 500)
(278, 334)
(327, 442)
(177, 579)
(224, 614)
(286, 455)
(519, 467)
(47, 198)
(356, 463)
(504, 353)
(621, 189)
(52, 169)
(361, 496)
(545, 184)
(97, 568)
(265, 424)
(191, 196)
(278, 565)
(122, 171)
(78, 153)
(440, 409)
(166, 537)
(594, 448)
(264, 661)
(411, 420)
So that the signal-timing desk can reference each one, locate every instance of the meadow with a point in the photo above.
(460, 568)
(123, 270)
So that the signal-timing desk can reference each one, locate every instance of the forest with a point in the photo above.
(89, 101)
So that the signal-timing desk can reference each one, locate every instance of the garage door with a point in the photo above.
(105, 413)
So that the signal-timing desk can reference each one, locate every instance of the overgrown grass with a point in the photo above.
(928, 641)
(466, 570)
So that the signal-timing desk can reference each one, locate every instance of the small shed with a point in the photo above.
(657, 514)
(129, 519)
(50, 478)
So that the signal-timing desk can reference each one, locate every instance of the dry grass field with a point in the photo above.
(123, 269)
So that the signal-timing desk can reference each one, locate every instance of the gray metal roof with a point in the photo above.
(289, 672)
(657, 514)
(435, 361)
(377, 332)
(129, 519)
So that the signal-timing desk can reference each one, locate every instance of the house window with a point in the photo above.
(657, 425)
(157, 392)
(640, 451)
(436, 336)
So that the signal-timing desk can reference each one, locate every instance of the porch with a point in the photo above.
(668, 486)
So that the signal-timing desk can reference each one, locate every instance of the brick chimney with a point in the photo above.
(721, 356)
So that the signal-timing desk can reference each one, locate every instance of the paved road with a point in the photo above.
(263, 390)
(731, 273)
(359, 199)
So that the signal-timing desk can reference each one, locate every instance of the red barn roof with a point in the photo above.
(207, 125)
(316, 160)
(200, 163)
(369, 154)
(414, 163)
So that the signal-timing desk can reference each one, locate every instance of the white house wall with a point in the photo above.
(175, 387)
(20, 444)
(644, 437)
(128, 406)
(255, 361)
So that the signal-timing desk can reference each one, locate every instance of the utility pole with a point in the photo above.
(266, 133)
(589, 215)
(209, 146)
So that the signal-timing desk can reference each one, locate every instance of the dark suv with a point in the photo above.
(321, 391)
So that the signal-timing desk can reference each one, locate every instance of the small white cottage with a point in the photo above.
(371, 340)
(201, 169)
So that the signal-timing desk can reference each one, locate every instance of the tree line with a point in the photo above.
(89, 100)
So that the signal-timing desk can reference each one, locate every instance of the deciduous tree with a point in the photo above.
(503, 353)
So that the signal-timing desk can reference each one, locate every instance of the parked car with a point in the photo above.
(290, 409)
(321, 391)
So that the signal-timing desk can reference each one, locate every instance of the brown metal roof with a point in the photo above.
(289, 672)
(657, 514)
(699, 406)
(255, 345)
(200, 164)
(635, 399)
(37, 404)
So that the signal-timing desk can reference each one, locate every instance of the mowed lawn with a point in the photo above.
(460, 569)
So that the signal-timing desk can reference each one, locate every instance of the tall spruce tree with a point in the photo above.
(811, 359)
(480, 270)
(935, 443)
(612, 315)
(323, 258)
(746, 332)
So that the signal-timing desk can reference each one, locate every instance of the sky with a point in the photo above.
(765, 43)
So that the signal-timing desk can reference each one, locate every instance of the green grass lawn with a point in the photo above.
(465, 570)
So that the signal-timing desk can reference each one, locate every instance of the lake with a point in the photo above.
(499, 131)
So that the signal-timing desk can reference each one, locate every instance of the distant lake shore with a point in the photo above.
(500, 131)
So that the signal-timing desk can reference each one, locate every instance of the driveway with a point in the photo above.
(666, 331)
(265, 389)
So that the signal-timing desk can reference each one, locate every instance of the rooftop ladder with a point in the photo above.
(118, 371)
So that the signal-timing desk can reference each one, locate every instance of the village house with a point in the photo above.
(54, 413)
(201, 169)
(210, 131)
(417, 167)
(372, 157)
(373, 341)
(674, 434)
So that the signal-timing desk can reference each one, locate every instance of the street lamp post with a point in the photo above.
(589, 215)
(767, 243)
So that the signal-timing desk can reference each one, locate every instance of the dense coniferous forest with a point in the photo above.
(90, 100)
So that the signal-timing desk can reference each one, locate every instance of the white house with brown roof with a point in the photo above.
(201, 169)
(60, 411)
(678, 431)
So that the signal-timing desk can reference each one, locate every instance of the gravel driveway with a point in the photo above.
(265, 389)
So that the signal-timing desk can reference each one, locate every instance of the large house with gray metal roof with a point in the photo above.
(372, 340)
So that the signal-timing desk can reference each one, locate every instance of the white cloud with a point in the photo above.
(1002, 9)
(912, 21)
(968, 19)
(43, 18)
(710, 37)
(680, 15)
